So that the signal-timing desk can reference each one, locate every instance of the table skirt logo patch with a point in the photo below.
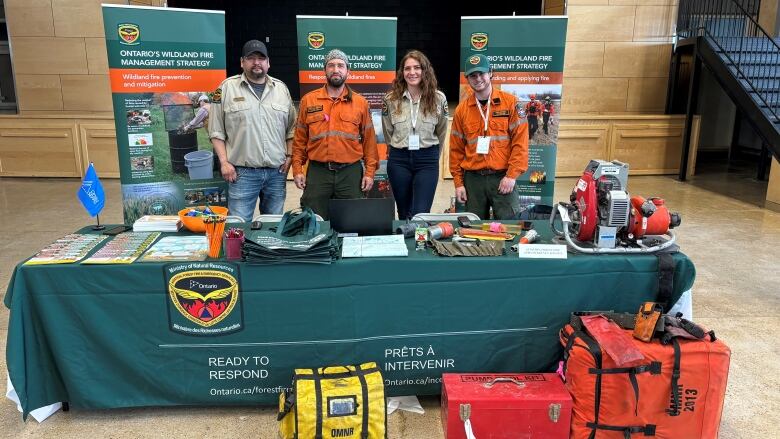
(203, 298)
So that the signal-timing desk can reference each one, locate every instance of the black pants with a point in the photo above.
(533, 125)
(546, 118)
(413, 177)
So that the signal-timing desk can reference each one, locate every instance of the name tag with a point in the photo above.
(238, 99)
(501, 113)
(314, 109)
(483, 144)
(414, 142)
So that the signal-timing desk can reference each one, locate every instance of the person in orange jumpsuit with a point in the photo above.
(334, 133)
(533, 109)
(488, 146)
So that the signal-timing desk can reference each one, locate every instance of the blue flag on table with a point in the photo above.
(91, 192)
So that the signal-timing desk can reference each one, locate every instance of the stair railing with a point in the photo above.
(732, 27)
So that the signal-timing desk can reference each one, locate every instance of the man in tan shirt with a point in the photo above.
(251, 126)
(333, 133)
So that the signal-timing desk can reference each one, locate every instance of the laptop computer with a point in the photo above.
(364, 216)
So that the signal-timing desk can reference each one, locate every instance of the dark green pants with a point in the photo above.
(482, 194)
(322, 184)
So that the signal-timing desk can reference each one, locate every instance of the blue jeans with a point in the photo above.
(413, 177)
(267, 184)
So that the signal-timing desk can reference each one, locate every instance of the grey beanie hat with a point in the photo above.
(336, 54)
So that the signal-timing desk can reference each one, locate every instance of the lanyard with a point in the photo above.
(485, 115)
(414, 114)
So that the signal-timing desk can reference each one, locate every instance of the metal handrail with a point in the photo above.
(724, 21)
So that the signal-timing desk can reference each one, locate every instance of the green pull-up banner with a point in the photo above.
(526, 54)
(162, 63)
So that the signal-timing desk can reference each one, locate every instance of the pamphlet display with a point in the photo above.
(123, 249)
(66, 250)
(178, 248)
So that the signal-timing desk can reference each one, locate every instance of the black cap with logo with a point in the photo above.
(252, 46)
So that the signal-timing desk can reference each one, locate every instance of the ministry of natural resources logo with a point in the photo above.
(316, 40)
(129, 33)
(474, 60)
(479, 41)
(203, 298)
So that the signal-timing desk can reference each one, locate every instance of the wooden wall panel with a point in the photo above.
(559, 10)
(773, 187)
(39, 92)
(589, 95)
(98, 145)
(579, 142)
(39, 148)
(86, 93)
(588, 2)
(31, 18)
(647, 95)
(79, 18)
(97, 57)
(600, 23)
(649, 148)
(654, 23)
(584, 59)
(642, 2)
(47, 55)
(636, 59)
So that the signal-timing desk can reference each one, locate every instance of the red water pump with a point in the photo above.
(603, 218)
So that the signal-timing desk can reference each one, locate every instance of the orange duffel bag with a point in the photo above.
(677, 392)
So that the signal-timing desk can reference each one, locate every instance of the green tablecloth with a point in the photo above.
(99, 336)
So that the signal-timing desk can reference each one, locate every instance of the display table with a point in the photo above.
(101, 336)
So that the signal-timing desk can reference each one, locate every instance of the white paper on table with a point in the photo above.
(373, 246)
(40, 414)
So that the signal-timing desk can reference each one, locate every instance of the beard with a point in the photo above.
(336, 82)
(255, 75)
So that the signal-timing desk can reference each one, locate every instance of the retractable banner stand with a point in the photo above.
(370, 45)
(526, 54)
(164, 65)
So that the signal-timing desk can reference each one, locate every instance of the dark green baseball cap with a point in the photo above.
(476, 63)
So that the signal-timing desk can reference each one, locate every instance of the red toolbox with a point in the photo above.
(505, 405)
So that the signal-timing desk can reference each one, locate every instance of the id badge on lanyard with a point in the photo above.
(414, 138)
(483, 142)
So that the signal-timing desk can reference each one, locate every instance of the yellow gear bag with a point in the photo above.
(334, 402)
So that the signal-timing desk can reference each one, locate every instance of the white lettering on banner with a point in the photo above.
(238, 373)
(228, 361)
(444, 363)
(416, 352)
(230, 373)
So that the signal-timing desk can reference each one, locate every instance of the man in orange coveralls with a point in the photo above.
(488, 145)
(334, 133)
(533, 109)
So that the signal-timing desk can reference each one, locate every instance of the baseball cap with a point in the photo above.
(476, 63)
(252, 46)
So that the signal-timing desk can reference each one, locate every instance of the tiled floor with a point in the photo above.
(734, 243)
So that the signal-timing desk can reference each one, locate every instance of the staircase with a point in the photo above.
(724, 36)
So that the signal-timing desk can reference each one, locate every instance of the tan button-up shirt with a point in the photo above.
(397, 125)
(254, 128)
